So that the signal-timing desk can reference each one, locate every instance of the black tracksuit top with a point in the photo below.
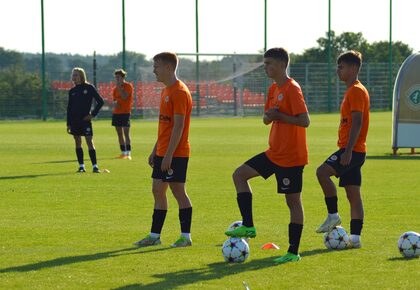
(80, 103)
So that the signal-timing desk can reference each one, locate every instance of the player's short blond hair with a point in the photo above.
(81, 72)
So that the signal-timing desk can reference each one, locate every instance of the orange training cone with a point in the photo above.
(268, 246)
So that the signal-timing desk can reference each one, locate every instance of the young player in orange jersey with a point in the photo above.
(123, 102)
(348, 160)
(286, 156)
(170, 155)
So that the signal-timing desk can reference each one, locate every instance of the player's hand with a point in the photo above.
(68, 129)
(150, 160)
(88, 118)
(270, 113)
(345, 158)
(166, 163)
(266, 119)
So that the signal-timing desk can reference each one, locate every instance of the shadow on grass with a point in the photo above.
(78, 259)
(399, 259)
(31, 176)
(69, 161)
(394, 157)
(213, 271)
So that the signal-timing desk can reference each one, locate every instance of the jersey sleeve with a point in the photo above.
(99, 101)
(297, 101)
(69, 104)
(357, 100)
(180, 102)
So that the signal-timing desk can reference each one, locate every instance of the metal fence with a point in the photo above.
(223, 86)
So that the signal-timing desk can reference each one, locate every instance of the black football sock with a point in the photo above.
(158, 219)
(79, 154)
(356, 226)
(92, 154)
(245, 206)
(185, 215)
(128, 147)
(122, 147)
(332, 204)
(295, 232)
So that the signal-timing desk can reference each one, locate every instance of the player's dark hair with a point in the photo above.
(278, 53)
(120, 72)
(351, 57)
(167, 57)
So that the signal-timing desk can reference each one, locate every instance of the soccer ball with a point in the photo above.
(235, 250)
(409, 244)
(234, 225)
(337, 239)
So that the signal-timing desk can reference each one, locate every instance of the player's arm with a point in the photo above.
(356, 126)
(301, 120)
(68, 113)
(99, 103)
(152, 155)
(179, 121)
(124, 95)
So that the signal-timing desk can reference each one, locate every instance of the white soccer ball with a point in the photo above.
(337, 239)
(234, 225)
(235, 250)
(409, 244)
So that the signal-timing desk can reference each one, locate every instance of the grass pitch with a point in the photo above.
(62, 230)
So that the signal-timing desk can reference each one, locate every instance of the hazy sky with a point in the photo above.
(226, 26)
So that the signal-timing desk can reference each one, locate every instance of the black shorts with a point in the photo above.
(82, 128)
(179, 167)
(350, 174)
(121, 120)
(289, 179)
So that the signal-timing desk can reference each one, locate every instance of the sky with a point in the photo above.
(225, 26)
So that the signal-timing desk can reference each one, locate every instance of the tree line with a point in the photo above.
(20, 81)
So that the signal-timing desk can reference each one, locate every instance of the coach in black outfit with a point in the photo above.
(79, 115)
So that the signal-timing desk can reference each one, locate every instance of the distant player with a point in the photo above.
(286, 156)
(348, 160)
(123, 102)
(169, 157)
(79, 116)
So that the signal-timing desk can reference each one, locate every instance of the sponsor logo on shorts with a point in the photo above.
(333, 158)
(284, 188)
(286, 181)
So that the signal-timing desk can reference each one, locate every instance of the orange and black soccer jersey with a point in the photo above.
(287, 142)
(124, 105)
(175, 99)
(356, 99)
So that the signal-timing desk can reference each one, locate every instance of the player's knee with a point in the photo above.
(321, 172)
(238, 174)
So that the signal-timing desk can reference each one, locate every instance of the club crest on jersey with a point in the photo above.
(280, 97)
(85, 92)
(286, 181)
(166, 99)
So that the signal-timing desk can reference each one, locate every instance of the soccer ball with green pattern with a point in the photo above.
(409, 244)
(235, 250)
(337, 239)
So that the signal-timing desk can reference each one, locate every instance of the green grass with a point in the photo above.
(62, 230)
